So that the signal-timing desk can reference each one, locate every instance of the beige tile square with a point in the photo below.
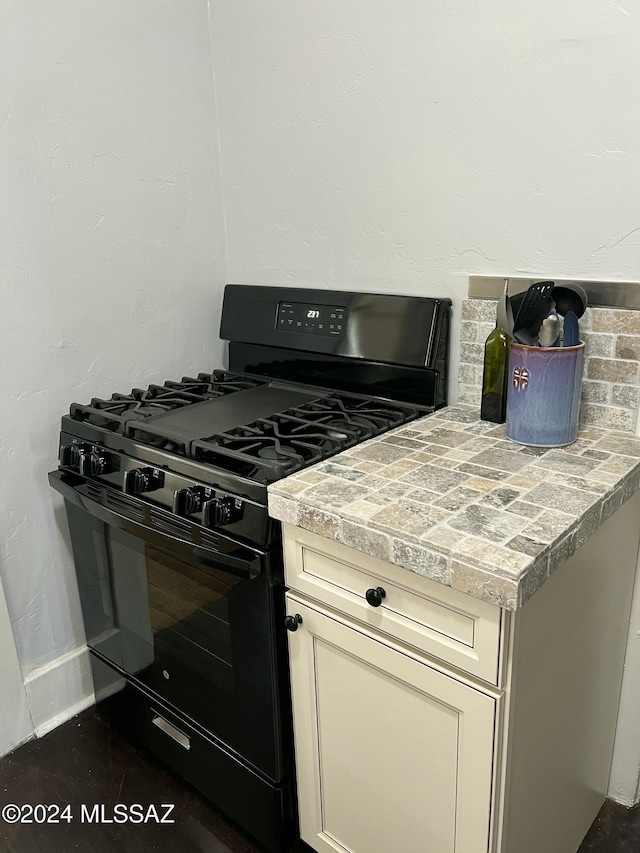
(367, 541)
(318, 521)
(283, 509)
(503, 592)
(480, 484)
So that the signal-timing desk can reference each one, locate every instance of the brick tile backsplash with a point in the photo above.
(595, 392)
(611, 417)
(613, 320)
(479, 309)
(612, 370)
(610, 393)
(600, 344)
(628, 346)
(625, 396)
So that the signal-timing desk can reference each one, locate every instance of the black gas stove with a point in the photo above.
(179, 566)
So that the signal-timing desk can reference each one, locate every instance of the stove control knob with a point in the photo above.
(188, 501)
(92, 463)
(136, 481)
(139, 480)
(220, 511)
(70, 456)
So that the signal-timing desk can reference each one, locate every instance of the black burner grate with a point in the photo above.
(114, 414)
(268, 449)
(364, 417)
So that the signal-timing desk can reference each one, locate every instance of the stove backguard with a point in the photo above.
(391, 346)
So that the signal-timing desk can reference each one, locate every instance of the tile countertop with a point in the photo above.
(449, 497)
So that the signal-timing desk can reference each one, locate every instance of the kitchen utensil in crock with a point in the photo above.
(549, 331)
(524, 337)
(543, 403)
(570, 297)
(534, 307)
(504, 317)
(571, 333)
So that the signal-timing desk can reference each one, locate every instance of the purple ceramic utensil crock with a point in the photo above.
(543, 398)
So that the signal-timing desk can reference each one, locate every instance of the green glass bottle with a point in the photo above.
(495, 377)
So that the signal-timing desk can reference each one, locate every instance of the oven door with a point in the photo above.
(193, 624)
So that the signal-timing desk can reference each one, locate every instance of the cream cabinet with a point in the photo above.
(430, 722)
(388, 747)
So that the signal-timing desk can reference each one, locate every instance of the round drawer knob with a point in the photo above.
(291, 622)
(375, 596)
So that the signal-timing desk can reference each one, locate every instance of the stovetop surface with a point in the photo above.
(258, 429)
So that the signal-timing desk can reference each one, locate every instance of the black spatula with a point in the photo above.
(534, 307)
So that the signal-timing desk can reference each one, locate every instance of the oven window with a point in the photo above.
(189, 613)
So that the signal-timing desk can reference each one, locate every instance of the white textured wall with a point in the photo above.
(112, 254)
(403, 144)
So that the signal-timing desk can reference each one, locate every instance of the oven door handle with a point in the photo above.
(248, 564)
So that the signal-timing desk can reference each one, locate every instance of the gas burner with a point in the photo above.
(146, 410)
(269, 448)
(283, 455)
(356, 421)
(271, 453)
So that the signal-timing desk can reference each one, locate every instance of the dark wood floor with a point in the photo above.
(87, 762)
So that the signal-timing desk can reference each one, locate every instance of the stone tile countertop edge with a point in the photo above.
(450, 497)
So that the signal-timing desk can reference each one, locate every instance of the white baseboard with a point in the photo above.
(9, 746)
(16, 725)
(59, 690)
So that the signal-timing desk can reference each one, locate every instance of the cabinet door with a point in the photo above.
(391, 754)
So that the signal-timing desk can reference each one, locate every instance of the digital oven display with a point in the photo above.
(309, 319)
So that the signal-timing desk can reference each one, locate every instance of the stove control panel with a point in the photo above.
(312, 319)
(181, 495)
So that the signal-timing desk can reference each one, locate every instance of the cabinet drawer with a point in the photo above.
(417, 611)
